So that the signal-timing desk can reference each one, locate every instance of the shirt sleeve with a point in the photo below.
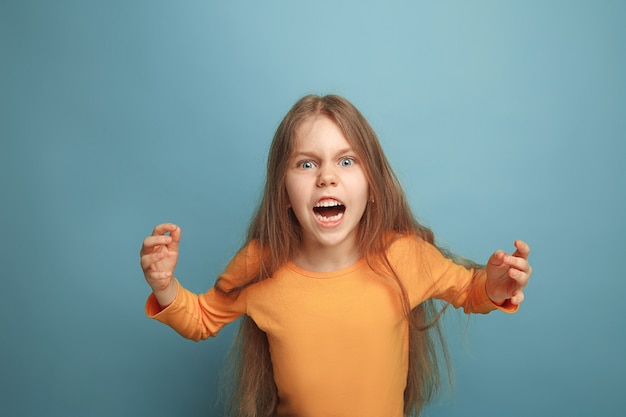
(198, 317)
(427, 273)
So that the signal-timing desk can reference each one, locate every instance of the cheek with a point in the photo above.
(360, 186)
(292, 192)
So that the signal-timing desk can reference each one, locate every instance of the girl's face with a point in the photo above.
(326, 187)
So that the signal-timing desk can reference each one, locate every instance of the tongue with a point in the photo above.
(329, 211)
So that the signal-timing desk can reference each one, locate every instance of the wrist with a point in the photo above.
(499, 303)
(495, 300)
(167, 295)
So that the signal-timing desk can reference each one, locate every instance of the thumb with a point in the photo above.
(175, 235)
(497, 258)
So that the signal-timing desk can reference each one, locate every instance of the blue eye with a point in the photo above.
(346, 162)
(306, 164)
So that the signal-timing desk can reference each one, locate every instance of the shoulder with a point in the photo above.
(243, 269)
(412, 250)
(399, 243)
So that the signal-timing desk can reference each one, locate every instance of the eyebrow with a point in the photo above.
(313, 154)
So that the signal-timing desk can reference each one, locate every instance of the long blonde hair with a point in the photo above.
(278, 234)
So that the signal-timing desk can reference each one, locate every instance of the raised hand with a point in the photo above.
(159, 255)
(507, 275)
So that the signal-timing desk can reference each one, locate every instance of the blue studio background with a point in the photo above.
(503, 120)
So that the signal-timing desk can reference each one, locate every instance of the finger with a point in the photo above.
(522, 249)
(175, 234)
(147, 261)
(150, 259)
(151, 242)
(520, 278)
(497, 258)
(175, 238)
(516, 262)
(160, 275)
(517, 298)
(164, 228)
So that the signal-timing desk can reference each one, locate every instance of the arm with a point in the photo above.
(499, 285)
(193, 316)
(426, 273)
(196, 317)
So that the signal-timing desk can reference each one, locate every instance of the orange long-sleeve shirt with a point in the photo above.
(338, 340)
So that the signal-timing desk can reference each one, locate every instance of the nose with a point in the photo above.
(327, 177)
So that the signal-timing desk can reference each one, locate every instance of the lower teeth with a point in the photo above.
(329, 219)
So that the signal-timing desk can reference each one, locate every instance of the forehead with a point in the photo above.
(318, 133)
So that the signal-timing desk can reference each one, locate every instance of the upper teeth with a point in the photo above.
(328, 203)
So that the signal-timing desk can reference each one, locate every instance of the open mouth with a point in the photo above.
(329, 210)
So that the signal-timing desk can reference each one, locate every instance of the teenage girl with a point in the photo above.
(335, 282)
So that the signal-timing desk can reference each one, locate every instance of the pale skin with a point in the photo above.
(159, 255)
(325, 170)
